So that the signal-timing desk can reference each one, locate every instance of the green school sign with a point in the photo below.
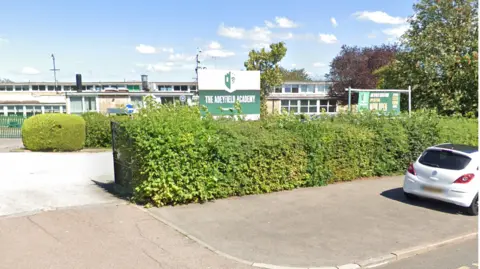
(379, 101)
(220, 90)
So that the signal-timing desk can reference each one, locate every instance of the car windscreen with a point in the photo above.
(444, 159)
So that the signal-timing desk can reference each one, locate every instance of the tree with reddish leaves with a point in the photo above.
(354, 67)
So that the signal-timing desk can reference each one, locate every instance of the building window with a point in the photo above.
(67, 88)
(42, 88)
(290, 105)
(193, 88)
(332, 108)
(22, 88)
(3, 88)
(76, 105)
(33, 110)
(303, 88)
(308, 106)
(322, 88)
(277, 89)
(184, 88)
(10, 88)
(64, 109)
(295, 89)
(323, 106)
(288, 88)
(165, 88)
(90, 103)
(168, 100)
(10, 110)
(51, 88)
(176, 88)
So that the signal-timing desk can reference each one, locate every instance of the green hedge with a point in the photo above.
(176, 157)
(98, 130)
(53, 132)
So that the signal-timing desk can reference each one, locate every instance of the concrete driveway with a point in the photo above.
(327, 226)
(43, 181)
(7, 144)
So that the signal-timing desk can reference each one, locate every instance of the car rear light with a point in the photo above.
(411, 170)
(465, 178)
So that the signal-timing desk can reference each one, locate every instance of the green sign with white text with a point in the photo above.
(379, 101)
(220, 91)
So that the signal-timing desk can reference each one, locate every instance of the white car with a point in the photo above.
(446, 172)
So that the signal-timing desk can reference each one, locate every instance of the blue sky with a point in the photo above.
(107, 40)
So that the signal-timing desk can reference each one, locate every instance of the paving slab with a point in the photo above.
(7, 144)
(53, 180)
(100, 237)
(326, 226)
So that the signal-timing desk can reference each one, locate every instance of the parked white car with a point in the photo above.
(448, 173)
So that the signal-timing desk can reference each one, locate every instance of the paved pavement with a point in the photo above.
(326, 226)
(100, 237)
(458, 256)
(53, 180)
(7, 145)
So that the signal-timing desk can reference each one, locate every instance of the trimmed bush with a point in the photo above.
(177, 157)
(54, 132)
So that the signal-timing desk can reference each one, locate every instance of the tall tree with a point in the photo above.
(440, 58)
(267, 62)
(354, 67)
(295, 74)
(5, 80)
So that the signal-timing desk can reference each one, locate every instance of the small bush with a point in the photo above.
(97, 127)
(54, 132)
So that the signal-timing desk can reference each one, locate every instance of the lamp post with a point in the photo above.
(54, 72)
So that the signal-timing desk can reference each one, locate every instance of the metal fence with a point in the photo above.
(11, 126)
(122, 158)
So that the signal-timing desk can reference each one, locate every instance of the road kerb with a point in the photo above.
(375, 262)
(407, 253)
(369, 263)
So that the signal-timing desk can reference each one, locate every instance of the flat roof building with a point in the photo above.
(30, 98)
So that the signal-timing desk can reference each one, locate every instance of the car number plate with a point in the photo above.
(432, 189)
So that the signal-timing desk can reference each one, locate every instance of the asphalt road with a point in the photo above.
(459, 256)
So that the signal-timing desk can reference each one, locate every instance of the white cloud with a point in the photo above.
(319, 64)
(371, 35)
(214, 45)
(30, 71)
(281, 22)
(217, 53)
(334, 22)
(327, 38)
(258, 34)
(379, 17)
(231, 32)
(396, 32)
(169, 50)
(145, 49)
(180, 57)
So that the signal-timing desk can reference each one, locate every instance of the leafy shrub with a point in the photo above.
(458, 130)
(98, 129)
(177, 157)
(54, 132)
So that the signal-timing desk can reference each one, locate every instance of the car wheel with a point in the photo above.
(410, 196)
(473, 208)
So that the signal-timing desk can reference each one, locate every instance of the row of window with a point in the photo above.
(309, 106)
(67, 88)
(30, 110)
(303, 88)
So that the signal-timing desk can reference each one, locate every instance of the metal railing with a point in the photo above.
(11, 126)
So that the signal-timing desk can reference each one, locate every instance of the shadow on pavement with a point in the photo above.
(397, 195)
(114, 189)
